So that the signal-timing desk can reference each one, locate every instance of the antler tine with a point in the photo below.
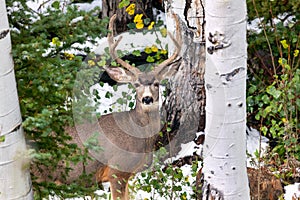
(177, 46)
(113, 45)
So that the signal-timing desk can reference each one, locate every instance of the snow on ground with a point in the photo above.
(253, 139)
(292, 191)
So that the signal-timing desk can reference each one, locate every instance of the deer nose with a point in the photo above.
(147, 100)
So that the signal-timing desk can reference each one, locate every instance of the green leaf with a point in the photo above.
(120, 101)
(108, 95)
(257, 116)
(131, 25)
(264, 130)
(131, 105)
(265, 98)
(55, 4)
(252, 89)
(124, 94)
(124, 3)
(150, 59)
(2, 138)
(147, 21)
(298, 103)
(115, 87)
(273, 91)
(266, 111)
(114, 63)
(136, 53)
(114, 176)
(157, 41)
(102, 63)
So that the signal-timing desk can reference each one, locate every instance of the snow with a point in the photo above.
(108, 105)
(41, 6)
(292, 191)
(188, 150)
(253, 140)
(89, 6)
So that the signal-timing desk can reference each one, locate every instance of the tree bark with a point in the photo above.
(185, 101)
(14, 163)
(225, 175)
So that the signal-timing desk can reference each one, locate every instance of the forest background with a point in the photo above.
(43, 46)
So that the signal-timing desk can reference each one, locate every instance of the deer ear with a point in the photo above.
(168, 71)
(119, 74)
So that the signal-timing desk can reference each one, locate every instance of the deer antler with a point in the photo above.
(112, 48)
(135, 71)
(177, 46)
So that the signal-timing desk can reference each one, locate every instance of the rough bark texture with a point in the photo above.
(110, 7)
(186, 95)
(185, 102)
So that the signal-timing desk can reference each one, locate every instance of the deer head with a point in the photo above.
(145, 83)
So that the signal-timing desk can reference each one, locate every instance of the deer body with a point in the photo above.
(135, 131)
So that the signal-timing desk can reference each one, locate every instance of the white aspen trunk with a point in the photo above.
(225, 175)
(14, 167)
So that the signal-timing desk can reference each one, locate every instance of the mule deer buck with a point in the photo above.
(134, 131)
(127, 138)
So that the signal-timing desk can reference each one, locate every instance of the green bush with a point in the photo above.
(273, 92)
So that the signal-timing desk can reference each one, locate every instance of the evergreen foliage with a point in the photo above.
(44, 51)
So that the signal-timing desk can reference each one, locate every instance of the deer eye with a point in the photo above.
(136, 85)
(156, 84)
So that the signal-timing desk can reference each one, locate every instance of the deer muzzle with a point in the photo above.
(147, 100)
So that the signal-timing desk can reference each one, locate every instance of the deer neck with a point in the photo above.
(144, 114)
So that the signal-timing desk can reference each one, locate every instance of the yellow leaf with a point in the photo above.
(163, 51)
(296, 53)
(154, 48)
(56, 41)
(150, 27)
(91, 63)
(163, 32)
(130, 9)
(284, 44)
(139, 25)
(138, 18)
(69, 56)
(284, 120)
(148, 50)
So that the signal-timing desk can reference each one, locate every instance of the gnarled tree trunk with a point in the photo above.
(185, 102)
